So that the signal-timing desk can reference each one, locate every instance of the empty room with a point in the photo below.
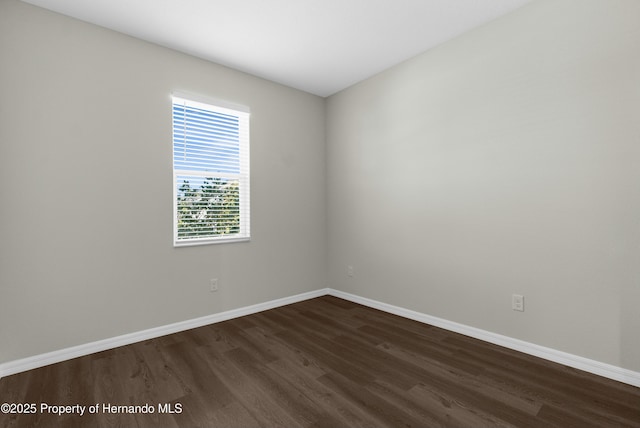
(285, 213)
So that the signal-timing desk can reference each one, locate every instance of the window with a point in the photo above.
(210, 172)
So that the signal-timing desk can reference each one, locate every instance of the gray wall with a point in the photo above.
(86, 187)
(504, 161)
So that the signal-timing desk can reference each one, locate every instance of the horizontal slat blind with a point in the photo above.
(211, 173)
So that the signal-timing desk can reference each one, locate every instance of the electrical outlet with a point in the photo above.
(213, 282)
(350, 270)
(517, 302)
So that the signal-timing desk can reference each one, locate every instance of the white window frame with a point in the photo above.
(242, 176)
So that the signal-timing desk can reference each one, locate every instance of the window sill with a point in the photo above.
(196, 242)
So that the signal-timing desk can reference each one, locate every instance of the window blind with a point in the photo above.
(211, 172)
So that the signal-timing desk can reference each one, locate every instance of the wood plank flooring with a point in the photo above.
(325, 362)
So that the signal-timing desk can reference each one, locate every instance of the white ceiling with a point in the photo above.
(318, 46)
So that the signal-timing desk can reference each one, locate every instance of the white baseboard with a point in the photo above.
(24, 364)
(601, 369)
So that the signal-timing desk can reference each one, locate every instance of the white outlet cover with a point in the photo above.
(517, 302)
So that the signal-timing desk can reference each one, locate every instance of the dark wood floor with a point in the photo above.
(324, 362)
